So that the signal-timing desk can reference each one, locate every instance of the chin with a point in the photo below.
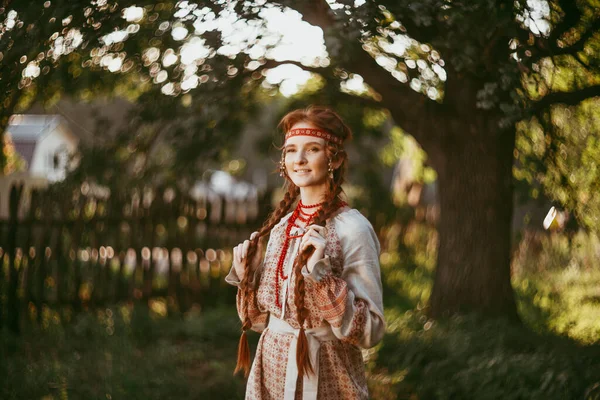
(301, 183)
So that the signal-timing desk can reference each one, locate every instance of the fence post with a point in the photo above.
(121, 246)
(136, 243)
(75, 245)
(13, 276)
(45, 255)
(28, 255)
(152, 211)
(61, 284)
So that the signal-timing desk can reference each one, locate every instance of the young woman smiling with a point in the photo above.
(316, 294)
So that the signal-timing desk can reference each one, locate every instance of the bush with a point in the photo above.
(470, 358)
(114, 353)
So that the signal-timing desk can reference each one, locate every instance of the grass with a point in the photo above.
(554, 355)
(125, 353)
(128, 352)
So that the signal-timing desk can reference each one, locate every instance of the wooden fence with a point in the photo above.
(80, 248)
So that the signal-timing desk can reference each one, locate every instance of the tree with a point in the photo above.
(14, 162)
(490, 50)
(459, 77)
(101, 49)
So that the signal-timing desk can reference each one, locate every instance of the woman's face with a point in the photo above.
(306, 160)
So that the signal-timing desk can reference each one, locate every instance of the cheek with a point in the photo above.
(321, 161)
(288, 161)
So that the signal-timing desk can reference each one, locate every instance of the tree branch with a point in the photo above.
(585, 36)
(548, 48)
(409, 109)
(327, 73)
(567, 98)
(570, 19)
(270, 64)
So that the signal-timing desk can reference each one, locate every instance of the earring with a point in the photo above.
(330, 170)
(282, 167)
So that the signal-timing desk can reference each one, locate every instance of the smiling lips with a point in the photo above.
(301, 170)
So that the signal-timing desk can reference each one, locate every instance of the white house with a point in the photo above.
(46, 143)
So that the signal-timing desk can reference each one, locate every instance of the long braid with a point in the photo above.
(243, 358)
(328, 120)
(331, 204)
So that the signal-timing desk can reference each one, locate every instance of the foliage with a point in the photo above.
(91, 355)
(457, 77)
(558, 153)
(557, 277)
(100, 356)
(89, 51)
(14, 161)
(468, 358)
(554, 355)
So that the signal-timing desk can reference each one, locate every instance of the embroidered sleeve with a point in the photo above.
(257, 316)
(233, 279)
(352, 303)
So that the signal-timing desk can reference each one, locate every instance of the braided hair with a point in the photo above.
(243, 359)
(325, 119)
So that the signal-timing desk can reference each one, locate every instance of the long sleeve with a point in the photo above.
(257, 316)
(352, 303)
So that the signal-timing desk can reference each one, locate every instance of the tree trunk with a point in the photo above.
(476, 205)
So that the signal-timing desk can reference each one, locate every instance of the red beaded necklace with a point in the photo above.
(303, 216)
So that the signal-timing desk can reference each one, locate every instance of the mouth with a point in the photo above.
(301, 171)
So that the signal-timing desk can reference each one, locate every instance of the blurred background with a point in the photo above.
(140, 144)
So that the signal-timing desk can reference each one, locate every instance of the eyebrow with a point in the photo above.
(305, 144)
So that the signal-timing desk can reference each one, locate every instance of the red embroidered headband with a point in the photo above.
(314, 132)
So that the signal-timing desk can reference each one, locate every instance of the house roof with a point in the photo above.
(31, 127)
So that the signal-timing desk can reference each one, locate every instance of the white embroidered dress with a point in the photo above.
(344, 300)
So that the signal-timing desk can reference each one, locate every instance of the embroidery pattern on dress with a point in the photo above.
(358, 322)
(341, 374)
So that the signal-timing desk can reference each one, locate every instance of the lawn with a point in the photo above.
(132, 352)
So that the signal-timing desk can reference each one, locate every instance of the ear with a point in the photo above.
(337, 161)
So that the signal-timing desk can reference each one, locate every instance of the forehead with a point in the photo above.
(301, 140)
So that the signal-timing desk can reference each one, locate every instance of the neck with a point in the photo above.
(313, 194)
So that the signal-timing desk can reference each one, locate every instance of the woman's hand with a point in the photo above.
(239, 257)
(314, 236)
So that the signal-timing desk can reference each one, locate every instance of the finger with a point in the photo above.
(259, 243)
(245, 249)
(310, 232)
(315, 234)
(313, 241)
(305, 245)
(321, 230)
(305, 237)
(236, 254)
(240, 253)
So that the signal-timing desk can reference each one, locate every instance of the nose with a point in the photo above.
(300, 157)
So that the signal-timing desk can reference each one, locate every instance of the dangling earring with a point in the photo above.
(330, 170)
(282, 167)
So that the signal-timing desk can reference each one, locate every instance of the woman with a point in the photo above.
(316, 297)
